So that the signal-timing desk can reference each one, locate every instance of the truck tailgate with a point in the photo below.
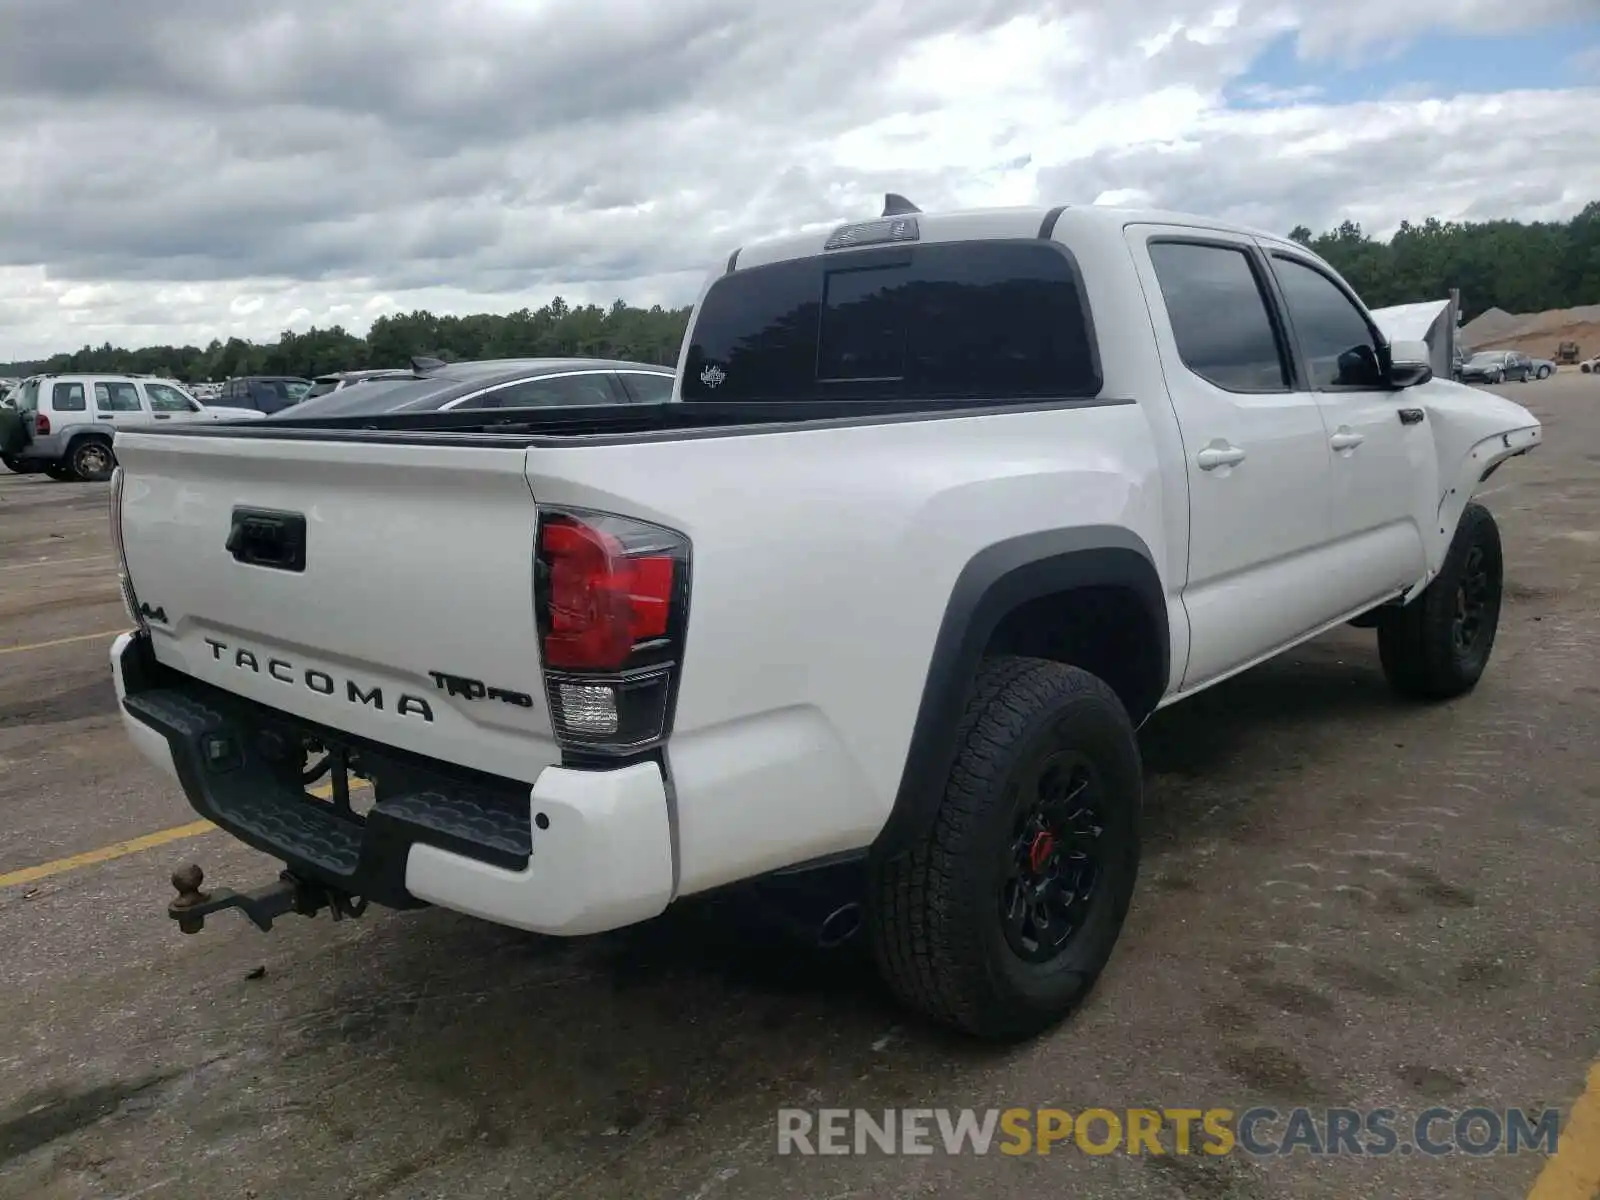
(411, 620)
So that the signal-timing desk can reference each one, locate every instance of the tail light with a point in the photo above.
(41, 424)
(613, 599)
(129, 599)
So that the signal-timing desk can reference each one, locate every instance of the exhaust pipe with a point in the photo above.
(839, 926)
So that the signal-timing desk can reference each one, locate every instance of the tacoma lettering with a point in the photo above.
(319, 681)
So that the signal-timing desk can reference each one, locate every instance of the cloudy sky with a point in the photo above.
(177, 170)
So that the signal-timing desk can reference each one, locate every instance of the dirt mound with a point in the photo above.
(1494, 323)
(1497, 329)
(1542, 343)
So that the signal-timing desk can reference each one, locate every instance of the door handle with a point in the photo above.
(105, 417)
(1224, 455)
(162, 416)
(1346, 440)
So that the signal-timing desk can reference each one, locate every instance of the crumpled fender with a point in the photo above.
(1474, 431)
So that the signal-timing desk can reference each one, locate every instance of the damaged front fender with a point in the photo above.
(1474, 431)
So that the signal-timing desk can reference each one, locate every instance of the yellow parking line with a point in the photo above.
(82, 637)
(106, 853)
(149, 841)
(1574, 1171)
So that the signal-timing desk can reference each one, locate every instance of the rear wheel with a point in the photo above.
(91, 460)
(999, 919)
(1438, 646)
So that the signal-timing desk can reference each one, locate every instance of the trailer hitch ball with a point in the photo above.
(186, 881)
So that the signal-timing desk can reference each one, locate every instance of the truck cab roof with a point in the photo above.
(976, 224)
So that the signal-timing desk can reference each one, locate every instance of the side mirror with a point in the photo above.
(1410, 364)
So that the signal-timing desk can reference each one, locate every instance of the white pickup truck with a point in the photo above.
(940, 510)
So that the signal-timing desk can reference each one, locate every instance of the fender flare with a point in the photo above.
(993, 583)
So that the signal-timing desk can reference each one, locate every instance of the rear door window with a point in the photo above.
(643, 387)
(67, 397)
(1219, 316)
(992, 321)
(557, 391)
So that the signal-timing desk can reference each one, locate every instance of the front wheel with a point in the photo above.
(998, 920)
(1437, 647)
(91, 460)
(1498, 377)
(1544, 372)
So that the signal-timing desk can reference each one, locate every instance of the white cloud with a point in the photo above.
(190, 169)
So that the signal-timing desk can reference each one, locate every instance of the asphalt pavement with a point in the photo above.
(1347, 901)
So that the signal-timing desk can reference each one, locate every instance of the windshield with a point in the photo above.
(27, 396)
(1487, 358)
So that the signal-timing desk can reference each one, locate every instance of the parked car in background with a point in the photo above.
(338, 380)
(265, 394)
(1497, 366)
(507, 384)
(68, 421)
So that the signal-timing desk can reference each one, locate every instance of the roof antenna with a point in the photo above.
(896, 205)
(422, 365)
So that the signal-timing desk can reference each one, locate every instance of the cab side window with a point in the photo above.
(1339, 344)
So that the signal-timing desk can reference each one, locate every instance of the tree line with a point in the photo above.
(1496, 264)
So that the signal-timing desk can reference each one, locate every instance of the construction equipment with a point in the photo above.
(1567, 353)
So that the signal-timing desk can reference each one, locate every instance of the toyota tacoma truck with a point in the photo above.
(941, 508)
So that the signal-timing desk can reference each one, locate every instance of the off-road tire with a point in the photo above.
(933, 913)
(90, 460)
(1417, 644)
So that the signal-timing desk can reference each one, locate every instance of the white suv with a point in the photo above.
(69, 421)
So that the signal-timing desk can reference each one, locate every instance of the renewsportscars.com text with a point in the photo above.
(1256, 1131)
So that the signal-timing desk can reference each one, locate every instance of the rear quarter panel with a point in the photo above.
(822, 563)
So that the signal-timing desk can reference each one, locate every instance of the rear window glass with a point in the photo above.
(997, 320)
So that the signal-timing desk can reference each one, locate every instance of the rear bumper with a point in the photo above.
(578, 852)
(49, 447)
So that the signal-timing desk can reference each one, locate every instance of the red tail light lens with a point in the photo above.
(41, 424)
(612, 596)
(602, 601)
